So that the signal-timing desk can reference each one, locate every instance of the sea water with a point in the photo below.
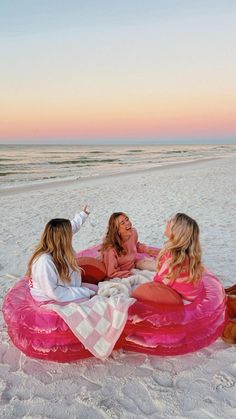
(22, 165)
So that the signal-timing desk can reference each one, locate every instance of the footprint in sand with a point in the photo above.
(222, 381)
(164, 379)
(145, 403)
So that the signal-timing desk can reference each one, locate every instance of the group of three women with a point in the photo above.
(55, 275)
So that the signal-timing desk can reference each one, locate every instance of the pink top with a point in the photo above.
(120, 266)
(187, 290)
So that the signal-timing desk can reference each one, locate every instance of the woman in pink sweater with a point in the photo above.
(121, 246)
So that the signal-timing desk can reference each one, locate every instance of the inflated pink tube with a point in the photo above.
(152, 329)
(159, 330)
(37, 332)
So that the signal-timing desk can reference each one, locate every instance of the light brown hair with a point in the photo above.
(113, 238)
(56, 241)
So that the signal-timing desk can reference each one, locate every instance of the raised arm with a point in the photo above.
(79, 220)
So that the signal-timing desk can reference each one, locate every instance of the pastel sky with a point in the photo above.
(117, 71)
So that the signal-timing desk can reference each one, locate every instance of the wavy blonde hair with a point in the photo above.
(183, 245)
(56, 241)
(113, 238)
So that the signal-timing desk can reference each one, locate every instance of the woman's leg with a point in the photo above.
(148, 264)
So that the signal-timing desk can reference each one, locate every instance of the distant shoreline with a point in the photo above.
(60, 183)
(118, 143)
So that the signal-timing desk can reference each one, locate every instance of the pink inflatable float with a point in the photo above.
(176, 330)
(151, 328)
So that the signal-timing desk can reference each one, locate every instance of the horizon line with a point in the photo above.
(133, 143)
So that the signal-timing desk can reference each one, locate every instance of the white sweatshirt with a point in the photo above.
(46, 283)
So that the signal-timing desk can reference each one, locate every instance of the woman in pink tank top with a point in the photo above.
(179, 263)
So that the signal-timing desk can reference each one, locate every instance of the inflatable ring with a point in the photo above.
(152, 329)
(177, 330)
(37, 332)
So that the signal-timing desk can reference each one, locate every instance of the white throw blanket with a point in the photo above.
(99, 322)
(124, 286)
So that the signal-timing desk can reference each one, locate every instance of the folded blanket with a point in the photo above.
(97, 323)
(124, 286)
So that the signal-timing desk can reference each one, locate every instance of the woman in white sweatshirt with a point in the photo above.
(52, 269)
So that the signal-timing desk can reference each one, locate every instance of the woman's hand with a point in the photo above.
(152, 252)
(86, 210)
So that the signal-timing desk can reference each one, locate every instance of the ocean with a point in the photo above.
(22, 165)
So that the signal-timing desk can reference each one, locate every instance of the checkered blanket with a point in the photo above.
(97, 323)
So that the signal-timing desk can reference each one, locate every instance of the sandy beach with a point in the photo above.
(128, 385)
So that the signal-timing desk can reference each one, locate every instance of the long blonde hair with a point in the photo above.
(113, 238)
(56, 241)
(184, 247)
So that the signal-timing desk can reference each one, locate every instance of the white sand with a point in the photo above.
(128, 385)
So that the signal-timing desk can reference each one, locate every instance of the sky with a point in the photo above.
(103, 71)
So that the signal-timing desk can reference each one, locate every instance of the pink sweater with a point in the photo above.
(120, 266)
(187, 290)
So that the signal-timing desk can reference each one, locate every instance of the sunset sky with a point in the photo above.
(117, 71)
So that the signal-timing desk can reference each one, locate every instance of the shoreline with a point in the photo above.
(61, 183)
